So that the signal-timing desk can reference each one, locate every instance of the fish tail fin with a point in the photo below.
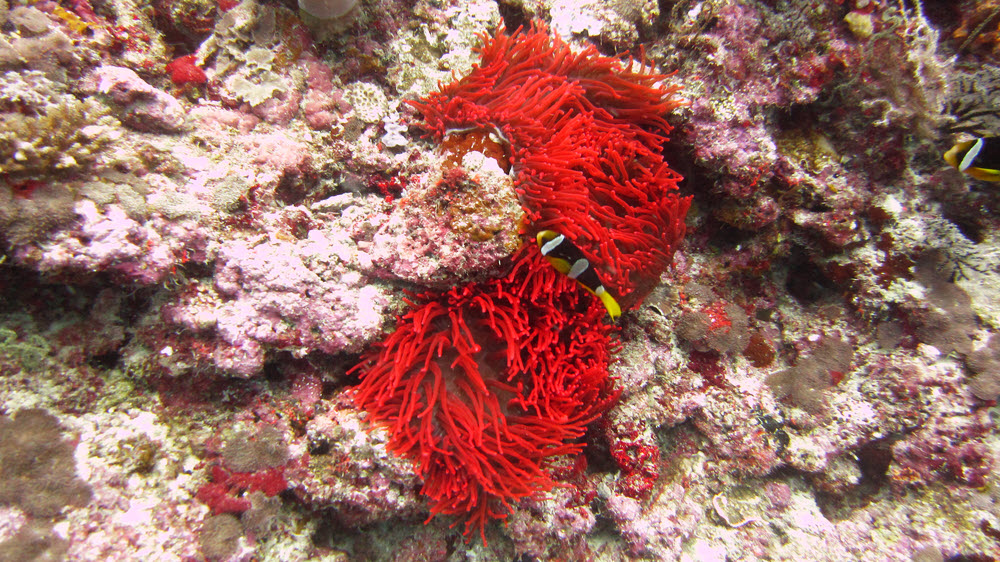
(609, 302)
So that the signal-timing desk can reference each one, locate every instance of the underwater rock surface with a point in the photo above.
(210, 212)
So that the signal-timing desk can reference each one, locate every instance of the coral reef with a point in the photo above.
(292, 295)
(351, 472)
(454, 225)
(211, 212)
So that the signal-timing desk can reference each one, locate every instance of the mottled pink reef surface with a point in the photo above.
(210, 210)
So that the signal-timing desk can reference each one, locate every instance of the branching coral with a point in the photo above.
(67, 138)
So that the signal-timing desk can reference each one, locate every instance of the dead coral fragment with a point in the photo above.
(219, 536)
(24, 220)
(985, 362)
(34, 541)
(804, 383)
(67, 138)
(245, 452)
(36, 465)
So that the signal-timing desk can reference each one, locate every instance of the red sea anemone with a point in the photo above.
(481, 384)
(585, 133)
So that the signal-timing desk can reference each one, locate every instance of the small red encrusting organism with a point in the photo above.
(24, 189)
(634, 450)
(585, 134)
(480, 384)
(183, 71)
(225, 493)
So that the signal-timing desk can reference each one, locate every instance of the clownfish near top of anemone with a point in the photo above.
(582, 136)
(570, 261)
(978, 157)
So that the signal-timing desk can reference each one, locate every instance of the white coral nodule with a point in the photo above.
(327, 9)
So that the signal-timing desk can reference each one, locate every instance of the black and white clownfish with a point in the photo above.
(569, 260)
(980, 158)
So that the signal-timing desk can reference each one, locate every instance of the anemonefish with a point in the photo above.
(980, 158)
(568, 259)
